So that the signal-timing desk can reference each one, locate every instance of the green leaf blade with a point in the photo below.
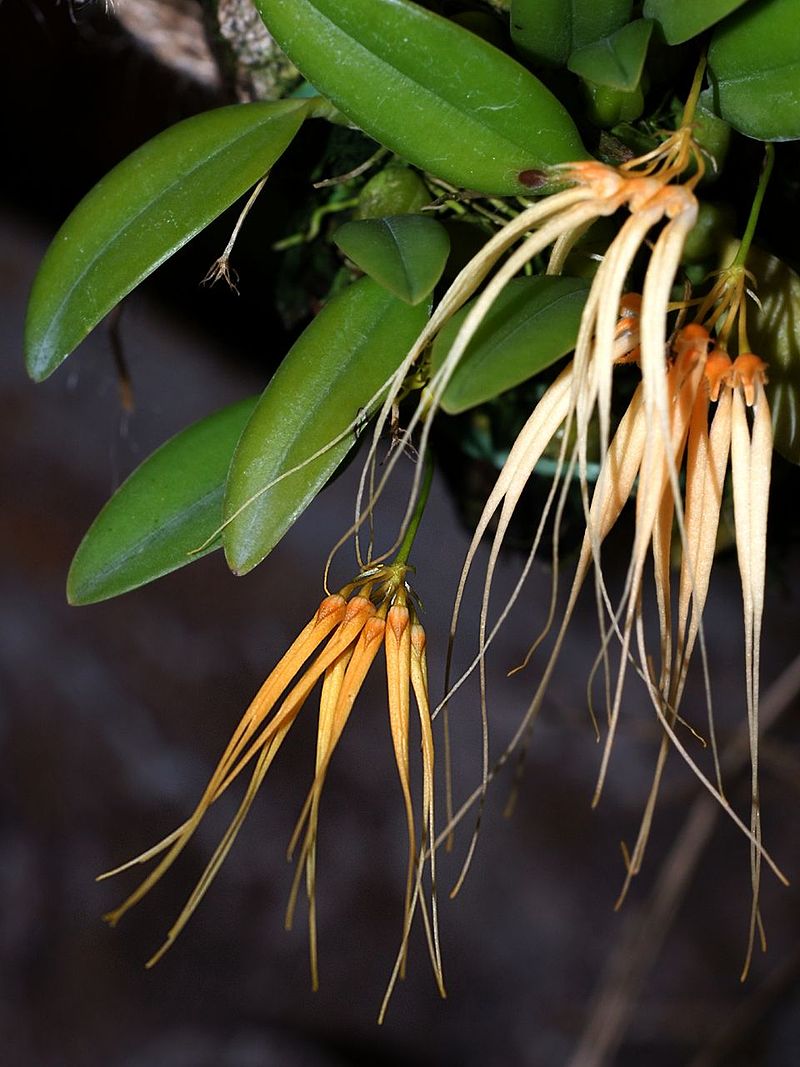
(395, 190)
(682, 19)
(406, 254)
(143, 211)
(616, 61)
(754, 68)
(532, 323)
(774, 334)
(169, 506)
(328, 379)
(548, 31)
(431, 91)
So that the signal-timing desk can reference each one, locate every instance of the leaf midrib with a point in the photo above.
(120, 561)
(438, 98)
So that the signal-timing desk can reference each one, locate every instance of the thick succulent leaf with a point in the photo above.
(532, 323)
(405, 254)
(549, 31)
(615, 61)
(142, 212)
(774, 334)
(329, 378)
(166, 509)
(754, 66)
(426, 88)
(682, 19)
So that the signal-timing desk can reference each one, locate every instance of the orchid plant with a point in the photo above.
(534, 124)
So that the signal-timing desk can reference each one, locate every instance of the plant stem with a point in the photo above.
(411, 531)
(758, 199)
(691, 100)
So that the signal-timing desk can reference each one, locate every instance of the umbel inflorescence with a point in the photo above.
(336, 648)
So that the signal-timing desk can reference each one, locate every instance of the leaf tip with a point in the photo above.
(77, 595)
(38, 362)
(239, 561)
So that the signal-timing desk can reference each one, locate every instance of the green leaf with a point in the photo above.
(712, 134)
(406, 254)
(754, 67)
(612, 107)
(485, 25)
(615, 61)
(395, 190)
(774, 334)
(142, 212)
(682, 19)
(431, 91)
(710, 235)
(168, 507)
(532, 323)
(329, 378)
(548, 31)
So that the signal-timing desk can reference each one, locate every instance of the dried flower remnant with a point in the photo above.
(338, 647)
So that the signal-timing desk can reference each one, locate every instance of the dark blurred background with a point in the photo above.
(112, 716)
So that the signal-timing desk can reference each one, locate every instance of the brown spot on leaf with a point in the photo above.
(534, 179)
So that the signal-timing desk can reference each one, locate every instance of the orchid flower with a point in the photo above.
(337, 647)
(689, 414)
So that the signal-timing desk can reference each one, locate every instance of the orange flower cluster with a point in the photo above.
(337, 647)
